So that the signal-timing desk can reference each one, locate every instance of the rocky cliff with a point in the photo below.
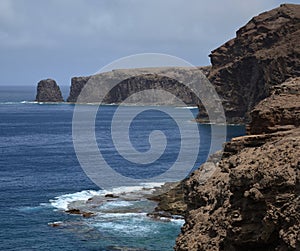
(48, 91)
(265, 52)
(132, 81)
(251, 202)
(77, 83)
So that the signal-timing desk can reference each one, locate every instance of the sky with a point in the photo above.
(61, 39)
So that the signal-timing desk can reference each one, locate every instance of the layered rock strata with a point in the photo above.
(265, 52)
(251, 202)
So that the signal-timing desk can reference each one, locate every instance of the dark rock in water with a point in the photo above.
(110, 195)
(87, 214)
(170, 200)
(55, 224)
(73, 211)
(79, 212)
(48, 91)
(265, 52)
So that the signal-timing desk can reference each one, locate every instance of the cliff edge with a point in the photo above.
(265, 53)
(251, 202)
(132, 81)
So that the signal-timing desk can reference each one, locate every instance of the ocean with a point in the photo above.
(41, 177)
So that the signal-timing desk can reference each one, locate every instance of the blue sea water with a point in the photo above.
(40, 176)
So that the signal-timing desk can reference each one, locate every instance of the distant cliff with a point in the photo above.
(77, 83)
(48, 91)
(265, 52)
(251, 202)
(131, 81)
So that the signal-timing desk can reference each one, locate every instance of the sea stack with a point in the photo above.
(48, 91)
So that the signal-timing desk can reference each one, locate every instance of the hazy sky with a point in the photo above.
(64, 38)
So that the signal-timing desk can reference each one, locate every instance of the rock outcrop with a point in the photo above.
(251, 202)
(48, 91)
(265, 52)
(281, 111)
(133, 81)
(77, 83)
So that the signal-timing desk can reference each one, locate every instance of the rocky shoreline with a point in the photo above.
(251, 202)
(250, 199)
(265, 53)
(130, 81)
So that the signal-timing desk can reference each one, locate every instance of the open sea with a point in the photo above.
(40, 178)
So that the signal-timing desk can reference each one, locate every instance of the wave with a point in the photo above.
(10, 103)
(30, 209)
(62, 202)
(186, 107)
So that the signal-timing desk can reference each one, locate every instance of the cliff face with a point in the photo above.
(284, 105)
(77, 83)
(131, 81)
(265, 52)
(251, 202)
(48, 91)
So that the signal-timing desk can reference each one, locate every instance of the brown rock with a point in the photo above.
(265, 52)
(279, 112)
(251, 202)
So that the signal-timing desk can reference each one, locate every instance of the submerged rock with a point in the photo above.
(48, 91)
(55, 224)
(80, 212)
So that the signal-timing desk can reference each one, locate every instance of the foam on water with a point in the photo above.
(186, 107)
(115, 204)
(62, 202)
(28, 209)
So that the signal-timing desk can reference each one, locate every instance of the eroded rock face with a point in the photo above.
(77, 83)
(48, 91)
(265, 52)
(132, 81)
(251, 202)
(280, 111)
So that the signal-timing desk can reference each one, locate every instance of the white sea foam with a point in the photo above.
(29, 102)
(126, 224)
(186, 107)
(115, 204)
(105, 215)
(62, 202)
(28, 209)
(178, 221)
(9, 103)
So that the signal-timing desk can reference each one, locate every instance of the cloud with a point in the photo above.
(104, 30)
